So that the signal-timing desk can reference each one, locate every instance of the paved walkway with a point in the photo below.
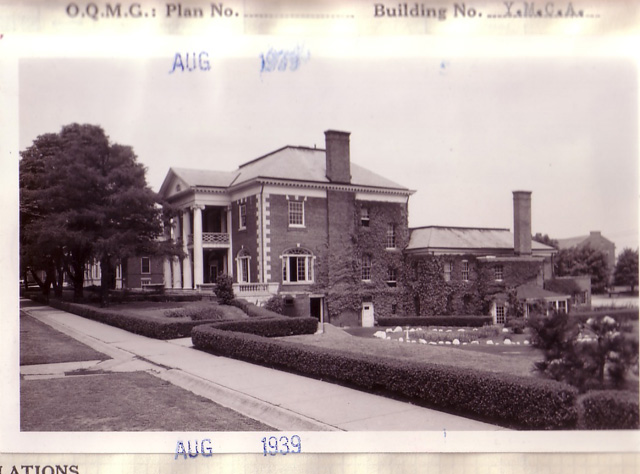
(279, 399)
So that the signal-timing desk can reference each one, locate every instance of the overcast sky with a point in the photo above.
(463, 133)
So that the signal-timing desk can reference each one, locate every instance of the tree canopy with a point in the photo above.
(84, 199)
(626, 272)
(584, 260)
(545, 239)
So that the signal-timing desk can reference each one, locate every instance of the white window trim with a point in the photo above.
(504, 313)
(242, 256)
(309, 260)
(392, 234)
(448, 270)
(495, 272)
(465, 270)
(242, 206)
(142, 272)
(369, 260)
(289, 214)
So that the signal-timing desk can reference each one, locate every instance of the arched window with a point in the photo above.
(244, 270)
(297, 266)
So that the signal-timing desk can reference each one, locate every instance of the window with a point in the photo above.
(391, 236)
(465, 270)
(500, 314)
(448, 266)
(296, 213)
(242, 216)
(366, 268)
(364, 217)
(146, 265)
(243, 259)
(499, 272)
(297, 266)
(562, 306)
(392, 276)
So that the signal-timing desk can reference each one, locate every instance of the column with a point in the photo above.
(166, 263)
(197, 245)
(186, 263)
(175, 261)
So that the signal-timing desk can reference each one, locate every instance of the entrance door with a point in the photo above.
(315, 308)
(367, 315)
(213, 273)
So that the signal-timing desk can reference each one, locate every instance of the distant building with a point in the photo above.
(596, 241)
(488, 263)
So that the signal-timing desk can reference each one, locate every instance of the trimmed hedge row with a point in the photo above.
(279, 327)
(254, 311)
(137, 324)
(455, 321)
(609, 410)
(619, 315)
(510, 400)
(210, 312)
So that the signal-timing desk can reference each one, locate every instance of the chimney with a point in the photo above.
(338, 161)
(522, 222)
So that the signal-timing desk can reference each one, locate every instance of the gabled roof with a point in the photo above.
(291, 163)
(437, 238)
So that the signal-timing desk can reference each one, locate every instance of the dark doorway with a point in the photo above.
(315, 308)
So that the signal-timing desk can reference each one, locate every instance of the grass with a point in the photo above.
(134, 401)
(41, 344)
(507, 359)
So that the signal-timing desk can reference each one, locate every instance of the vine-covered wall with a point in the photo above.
(426, 292)
(345, 288)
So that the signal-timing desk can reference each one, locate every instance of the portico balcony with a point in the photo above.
(211, 240)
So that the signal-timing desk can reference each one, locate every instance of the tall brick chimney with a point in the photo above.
(522, 222)
(338, 160)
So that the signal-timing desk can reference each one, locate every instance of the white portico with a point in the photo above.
(202, 225)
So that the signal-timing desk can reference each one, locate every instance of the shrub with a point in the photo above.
(197, 313)
(275, 304)
(608, 409)
(224, 289)
(254, 311)
(137, 324)
(270, 327)
(579, 354)
(512, 400)
(455, 321)
(517, 325)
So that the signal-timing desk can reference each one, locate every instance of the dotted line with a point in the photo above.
(543, 17)
(314, 16)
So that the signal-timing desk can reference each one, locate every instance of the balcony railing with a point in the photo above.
(255, 289)
(213, 239)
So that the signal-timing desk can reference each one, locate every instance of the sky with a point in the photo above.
(462, 132)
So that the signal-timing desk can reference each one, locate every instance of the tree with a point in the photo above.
(584, 260)
(82, 199)
(545, 239)
(626, 271)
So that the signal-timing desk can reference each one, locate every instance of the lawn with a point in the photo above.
(134, 401)
(158, 310)
(507, 359)
(41, 344)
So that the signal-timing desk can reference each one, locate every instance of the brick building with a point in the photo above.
(302, 223)
(464, 270)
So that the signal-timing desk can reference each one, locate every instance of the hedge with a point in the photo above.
(255, 311)
(210, 312)
(137, 324)
(617, 314)
(510, 400)
(608, 409)
(271, 327)
(455, 321)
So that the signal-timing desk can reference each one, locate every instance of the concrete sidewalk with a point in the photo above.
(279, 399)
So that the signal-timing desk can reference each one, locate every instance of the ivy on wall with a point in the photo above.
(345, 289)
